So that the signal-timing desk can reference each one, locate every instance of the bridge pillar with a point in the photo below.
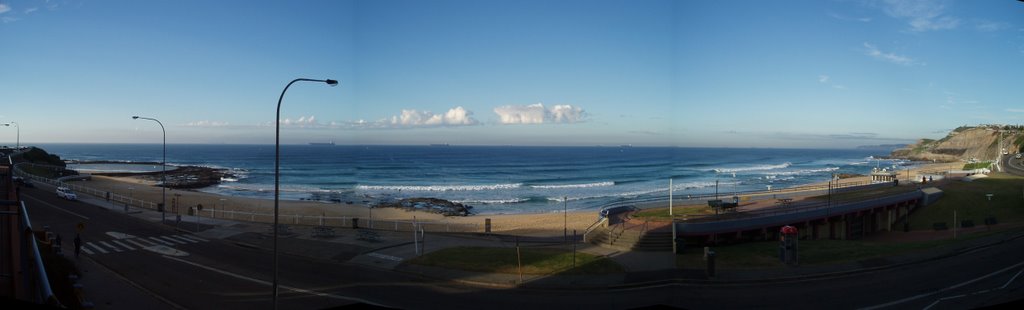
(831, 229)
(890, 220)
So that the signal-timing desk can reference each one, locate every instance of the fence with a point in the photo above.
(112, 197)
(753, 194)
(258, 217)
(341, 221)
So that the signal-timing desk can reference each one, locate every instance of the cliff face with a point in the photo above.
(964, 143)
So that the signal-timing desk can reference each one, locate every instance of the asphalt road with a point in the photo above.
(1013, 165)
(222, 275)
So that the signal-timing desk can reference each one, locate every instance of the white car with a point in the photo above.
(66, 193)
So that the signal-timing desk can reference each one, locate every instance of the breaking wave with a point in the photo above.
(564, 186)
(438, 188)
(754, 168)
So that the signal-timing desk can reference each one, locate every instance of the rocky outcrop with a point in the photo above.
(966, 143)
(435, 205)
(182, 177)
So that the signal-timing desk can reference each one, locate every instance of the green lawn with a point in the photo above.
(537, 261)
(973, 166)
(812, 252)
(970, 203)
(662, 213)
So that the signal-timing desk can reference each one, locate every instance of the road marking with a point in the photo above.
(298, 290)
(193, 238)
(147, 242)
(123, 245)
(159, 240)
(183, 239)
(919, 296)
(1011, 279)
(172, 240)
(87, 251)
(56, 207)
(385, 256)
(98, 248)
(135, 243)
(116, 249)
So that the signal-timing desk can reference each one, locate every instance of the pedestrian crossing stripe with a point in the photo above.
(116, 249)
(97, 248)
(135, 243)
(123, 245)
(160, 240)
(128, 247)
(172, 240)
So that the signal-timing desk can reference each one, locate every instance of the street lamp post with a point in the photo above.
(19, 133)
(163, 174)
(565, 218)
(277, 167)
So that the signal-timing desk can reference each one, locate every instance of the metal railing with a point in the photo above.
(593, 227)
(259, 217)
(794, 209)
(754, 194)
(341, 221)
(37, 271)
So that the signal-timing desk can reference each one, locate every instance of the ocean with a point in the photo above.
(494, 179)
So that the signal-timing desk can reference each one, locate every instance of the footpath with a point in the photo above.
(388, 251)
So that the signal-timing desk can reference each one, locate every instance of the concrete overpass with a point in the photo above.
(845, 220)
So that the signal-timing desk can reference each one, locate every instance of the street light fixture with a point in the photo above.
(277, 166)
(19, 133)
(163, 174)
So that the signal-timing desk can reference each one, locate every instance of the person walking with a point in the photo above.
(78, 245)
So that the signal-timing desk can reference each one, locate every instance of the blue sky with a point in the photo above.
(817, 74)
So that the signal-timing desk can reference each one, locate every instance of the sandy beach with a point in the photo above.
(510, 223)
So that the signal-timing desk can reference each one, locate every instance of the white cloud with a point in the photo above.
(1015, 110)
(990, 26)
(822, 79)
(205, 123)
(921, 15)
(30, 10)
(537, 114)
(301, 122)
(4, 8)
(517, 114)
(890, 57)
(848, 18)
(457, 116)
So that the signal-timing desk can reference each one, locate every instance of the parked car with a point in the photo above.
(23, 182)
(609, 211)
(66, 193)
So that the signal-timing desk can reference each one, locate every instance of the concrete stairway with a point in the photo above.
(633, 239)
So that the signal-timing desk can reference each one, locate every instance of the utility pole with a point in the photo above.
(670, 197)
